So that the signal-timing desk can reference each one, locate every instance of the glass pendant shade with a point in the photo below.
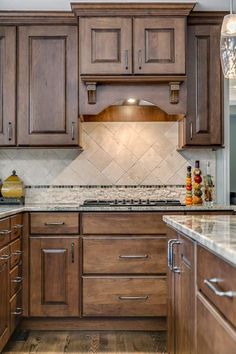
(228, 46)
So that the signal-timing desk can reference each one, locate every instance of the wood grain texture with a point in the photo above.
(90, 342)
(16, 249)
(124, 255)
(124, 296)
(7, 85)
(16, 226)
(4, 298)
(5, 225)
(210, 266)
(54, 223)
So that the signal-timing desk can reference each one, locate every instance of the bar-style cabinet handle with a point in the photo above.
(126, 59)
(18, 226)
(145, 256)
(191, 130)
(170, 256)
(17, 280)
(140, 59)
(73, 131)
(9, 131)
(59, 223)
(17, 312)
(210, 283)
(17, 253)
(72, 252)
(5, 257)
(5, 232)
(133, 297)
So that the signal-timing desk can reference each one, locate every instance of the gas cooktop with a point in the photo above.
(131, 202)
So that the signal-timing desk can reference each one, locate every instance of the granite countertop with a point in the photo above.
(216, 232)
(11, 210)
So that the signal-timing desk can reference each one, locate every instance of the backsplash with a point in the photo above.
(142, 153)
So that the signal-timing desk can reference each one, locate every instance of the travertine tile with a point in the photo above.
(100, 159)
(113, 172)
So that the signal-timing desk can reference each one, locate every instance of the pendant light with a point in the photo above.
(228, 44)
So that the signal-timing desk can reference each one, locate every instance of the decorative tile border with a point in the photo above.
(105, 186)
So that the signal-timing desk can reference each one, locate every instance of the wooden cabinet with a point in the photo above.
(47, 86)
(106, 45)
(159, 45)
(4, 296)
(120, 45)
(7, 85)
(54, 276)
(203, 125)
(181, 295)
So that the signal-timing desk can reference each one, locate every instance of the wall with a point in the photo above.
(114, 154)
(202, 5)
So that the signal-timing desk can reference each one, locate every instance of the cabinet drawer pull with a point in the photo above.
(133, 297)
(126, 59)
(58, 223)
(5, 232)
(191, 131)
(170, 256)
(5, 256)
(17, 312)
(210, 284)
(17, 280)
(18, 226)
(17, 253)
(72, 131)
(72, 252)
(140, 59)
(145, 256)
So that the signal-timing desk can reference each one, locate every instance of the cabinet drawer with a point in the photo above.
(5, 232)
(16, 310)
(16, 279)
(124, 255)
(54, 223)
(16, 226)
(212, 267)
(16, 252)
(214, 334)
(124, 296)
(109, 223)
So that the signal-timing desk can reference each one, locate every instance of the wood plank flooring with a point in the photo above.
(84, 342)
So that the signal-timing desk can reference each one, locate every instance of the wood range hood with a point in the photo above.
(132, 50)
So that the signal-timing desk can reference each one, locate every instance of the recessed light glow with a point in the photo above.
(131, 100)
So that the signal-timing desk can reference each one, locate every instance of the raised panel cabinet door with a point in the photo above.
(105, 45)
(159, 45)
(204, 112)
(48, 86)
(54, 277)
(4, 296)
(7, 85)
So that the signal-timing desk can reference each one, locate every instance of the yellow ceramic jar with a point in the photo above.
(13, 187)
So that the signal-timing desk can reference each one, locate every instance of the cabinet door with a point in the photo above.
(54, 276)
(4, 297)
(105, 45)
(7, 86)
(214, 334)
(159, 45)
(204, 110)
(47, 86)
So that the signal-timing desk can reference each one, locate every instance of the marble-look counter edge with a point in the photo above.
(221, 249)
(11, 210)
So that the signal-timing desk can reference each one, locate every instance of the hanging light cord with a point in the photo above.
(231, 6)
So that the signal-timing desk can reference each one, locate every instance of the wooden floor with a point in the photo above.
(82, 342)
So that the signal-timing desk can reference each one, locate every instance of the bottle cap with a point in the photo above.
(197, 164)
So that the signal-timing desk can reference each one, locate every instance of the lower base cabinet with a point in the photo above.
(124, 296)
(214, 334)
(54, 276)
(4, 296)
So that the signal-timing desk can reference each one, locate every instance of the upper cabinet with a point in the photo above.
(7, 85)
(47, 86)
(203, 125)
(150, 45)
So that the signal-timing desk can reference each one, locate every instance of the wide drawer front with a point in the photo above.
(116, 296)
(16, 252)
(5, 232)
(217, 280)
(16, 226)
(16, 279)
(16, 310)
(124, 255)
(54, 223)
(214, 334)
(136, 223)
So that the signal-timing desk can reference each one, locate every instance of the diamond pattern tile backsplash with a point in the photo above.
(114, 154)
